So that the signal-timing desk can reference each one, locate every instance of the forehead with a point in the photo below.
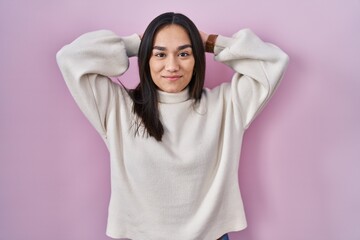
(171, 35)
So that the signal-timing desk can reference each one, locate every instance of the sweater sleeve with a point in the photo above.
(86, 65)
(259, 67)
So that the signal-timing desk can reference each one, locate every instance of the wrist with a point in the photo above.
(210, 43)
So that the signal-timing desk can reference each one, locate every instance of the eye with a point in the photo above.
(184, 54)
(160, 55)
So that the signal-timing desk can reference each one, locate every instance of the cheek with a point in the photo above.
(190, 67)
(154, 67)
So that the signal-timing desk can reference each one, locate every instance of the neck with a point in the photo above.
(165, 97)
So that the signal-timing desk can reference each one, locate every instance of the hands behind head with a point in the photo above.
(204, 36)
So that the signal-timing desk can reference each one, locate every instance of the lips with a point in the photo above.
(172, 77)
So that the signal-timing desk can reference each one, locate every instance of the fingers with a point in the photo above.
(204, 36)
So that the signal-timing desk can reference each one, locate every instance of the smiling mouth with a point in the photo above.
(172, 78)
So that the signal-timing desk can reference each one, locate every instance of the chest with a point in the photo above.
(190, 143)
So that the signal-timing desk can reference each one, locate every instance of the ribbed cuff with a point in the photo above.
(221, 43)
(132, 44)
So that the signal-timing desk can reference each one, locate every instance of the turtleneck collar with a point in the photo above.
(165, 97)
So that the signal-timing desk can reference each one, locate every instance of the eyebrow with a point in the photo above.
(182, 47)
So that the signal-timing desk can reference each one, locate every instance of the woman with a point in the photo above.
(174, 146)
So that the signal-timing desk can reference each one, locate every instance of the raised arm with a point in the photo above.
(259, 67)
(86, 65)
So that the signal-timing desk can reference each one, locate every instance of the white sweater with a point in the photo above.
(186, 186)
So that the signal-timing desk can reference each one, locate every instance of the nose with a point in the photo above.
(172, 64)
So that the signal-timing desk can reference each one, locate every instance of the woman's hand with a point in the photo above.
(204, 37)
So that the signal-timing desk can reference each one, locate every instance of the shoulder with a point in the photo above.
(221, 90)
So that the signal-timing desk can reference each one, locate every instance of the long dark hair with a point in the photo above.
(145, 96)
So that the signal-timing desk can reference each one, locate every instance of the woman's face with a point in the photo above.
(172, 61)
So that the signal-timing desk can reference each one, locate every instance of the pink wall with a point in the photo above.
(300, 168)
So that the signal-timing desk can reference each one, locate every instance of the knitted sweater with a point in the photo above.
(186, 186)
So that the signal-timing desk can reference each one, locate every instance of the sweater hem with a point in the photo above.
(214, 234)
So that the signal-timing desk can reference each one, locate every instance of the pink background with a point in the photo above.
(300, 168)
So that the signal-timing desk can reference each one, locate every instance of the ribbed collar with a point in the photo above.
(165, 97)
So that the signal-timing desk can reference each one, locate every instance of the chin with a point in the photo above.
(172, 90)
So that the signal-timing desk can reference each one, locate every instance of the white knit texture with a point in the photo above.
(185, 186)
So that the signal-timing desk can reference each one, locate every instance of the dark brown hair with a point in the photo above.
(145, 96)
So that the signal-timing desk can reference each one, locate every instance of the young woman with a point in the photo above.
(174, 146)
